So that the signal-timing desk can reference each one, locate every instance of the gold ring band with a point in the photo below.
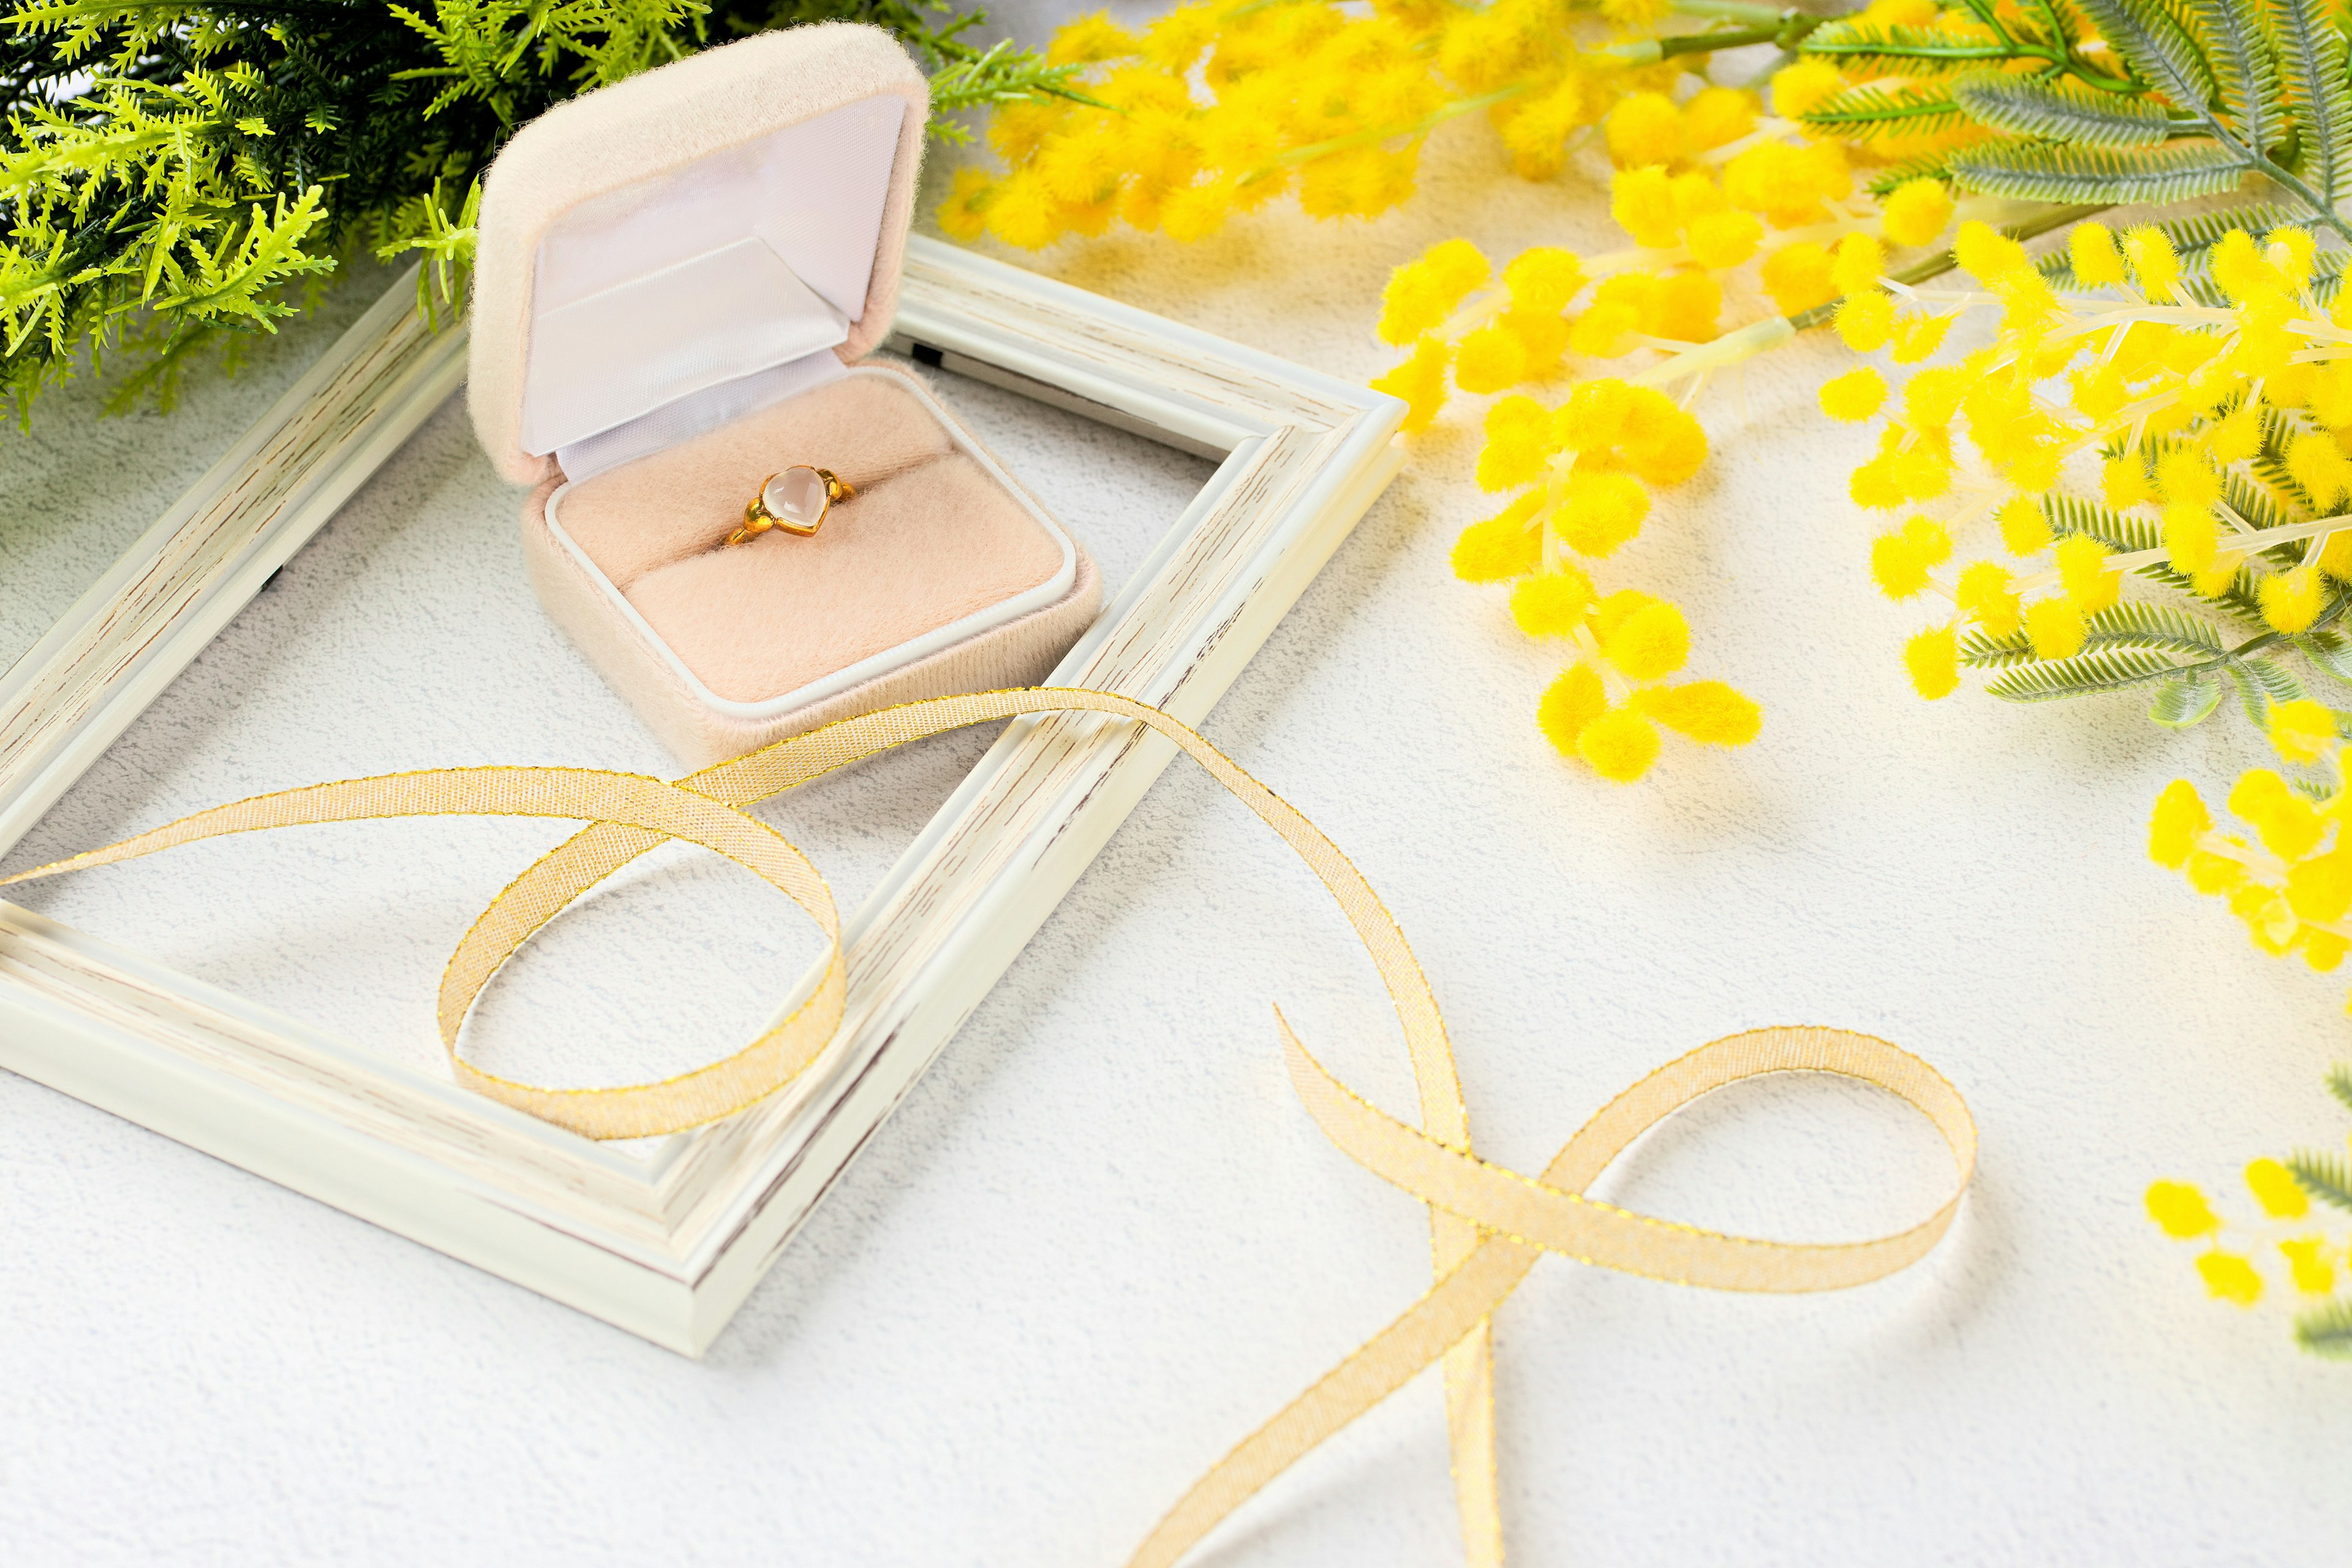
(805, 497)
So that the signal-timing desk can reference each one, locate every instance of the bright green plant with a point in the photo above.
(175, 177)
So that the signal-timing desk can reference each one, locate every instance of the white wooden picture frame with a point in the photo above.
(667, 1244)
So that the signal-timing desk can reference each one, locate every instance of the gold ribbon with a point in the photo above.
(1488, 1224)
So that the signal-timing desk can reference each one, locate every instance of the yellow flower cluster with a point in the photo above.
(1580, 469)
(2312, 1258)
(1220, 106)
(1703, 186)
(2287, 874)
(2219, 430)
(2291, 881)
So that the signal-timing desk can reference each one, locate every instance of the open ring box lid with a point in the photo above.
(676, 277)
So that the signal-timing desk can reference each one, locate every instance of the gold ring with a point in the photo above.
(795, 500)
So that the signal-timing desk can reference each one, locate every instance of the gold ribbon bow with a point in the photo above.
(1488, 1224)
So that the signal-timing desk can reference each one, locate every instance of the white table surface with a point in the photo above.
(1100, 1242)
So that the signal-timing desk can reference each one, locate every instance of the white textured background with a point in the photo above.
(1100, 1242)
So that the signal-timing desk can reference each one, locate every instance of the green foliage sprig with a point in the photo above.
(2109, 102)
(176, 177)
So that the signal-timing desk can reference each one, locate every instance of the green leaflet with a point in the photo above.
(2159, 44)
(2181, 703)
(2129, 624)
(1873, 110)
(2060, 111)
(2311, 60)
(2261, 683)
(2079, 676)
(2327, 1330)
(2052, 173)
(2073, 514)
(1886, 180)
(2323, 1177)
(1917, 51)
(2244, 70)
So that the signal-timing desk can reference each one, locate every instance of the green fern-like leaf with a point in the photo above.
(2258, 503)
(2311, 59)
(2339, 1084)
(2060, 111)
(2252, 700)
(2330, 652)
(2159, 44)
(2323, 1177)
(2238, 49)
(2133, 623)
(1980, 649)
(2327, 1330)
(1888, 180)
(2277, 685)
(1871, 110)
(2176, 172)
(2118, 530)
(1914, 51)
(2080, 676)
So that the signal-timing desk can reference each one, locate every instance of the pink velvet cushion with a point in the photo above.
(931, 537)
(679, 503)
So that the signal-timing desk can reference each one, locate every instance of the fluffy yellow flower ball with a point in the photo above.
(1866, 320)
(1856, 265)
(2290, 601)
(1916, 212)
(2091, 249)
(1502, 546)
(2275, 1188)
(2301, 730)
(1601, 511)
(1619, 744)
(2181, 1210)
(1644, 128)
(2024, 529)
(2230, 1277)
(1933, 660)
(1421, 294)
(2055, 629)
(1985, 591)
(1901, 559)
(2180, 816)
(1650, 642)
(1707, 712)
(1551, 604)
(2155, 265)
(1804, 85)
(2090, 585)
(1854, 395)
(1421, 382)
(1568, 704)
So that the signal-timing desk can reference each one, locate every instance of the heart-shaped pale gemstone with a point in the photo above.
(796, 496)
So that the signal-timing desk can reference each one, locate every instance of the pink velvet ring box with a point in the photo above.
(677, 279)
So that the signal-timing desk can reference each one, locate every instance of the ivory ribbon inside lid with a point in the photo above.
(748, 258)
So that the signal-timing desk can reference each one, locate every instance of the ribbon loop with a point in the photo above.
(1488, 1225)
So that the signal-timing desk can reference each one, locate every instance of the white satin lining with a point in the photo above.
(750, 258)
